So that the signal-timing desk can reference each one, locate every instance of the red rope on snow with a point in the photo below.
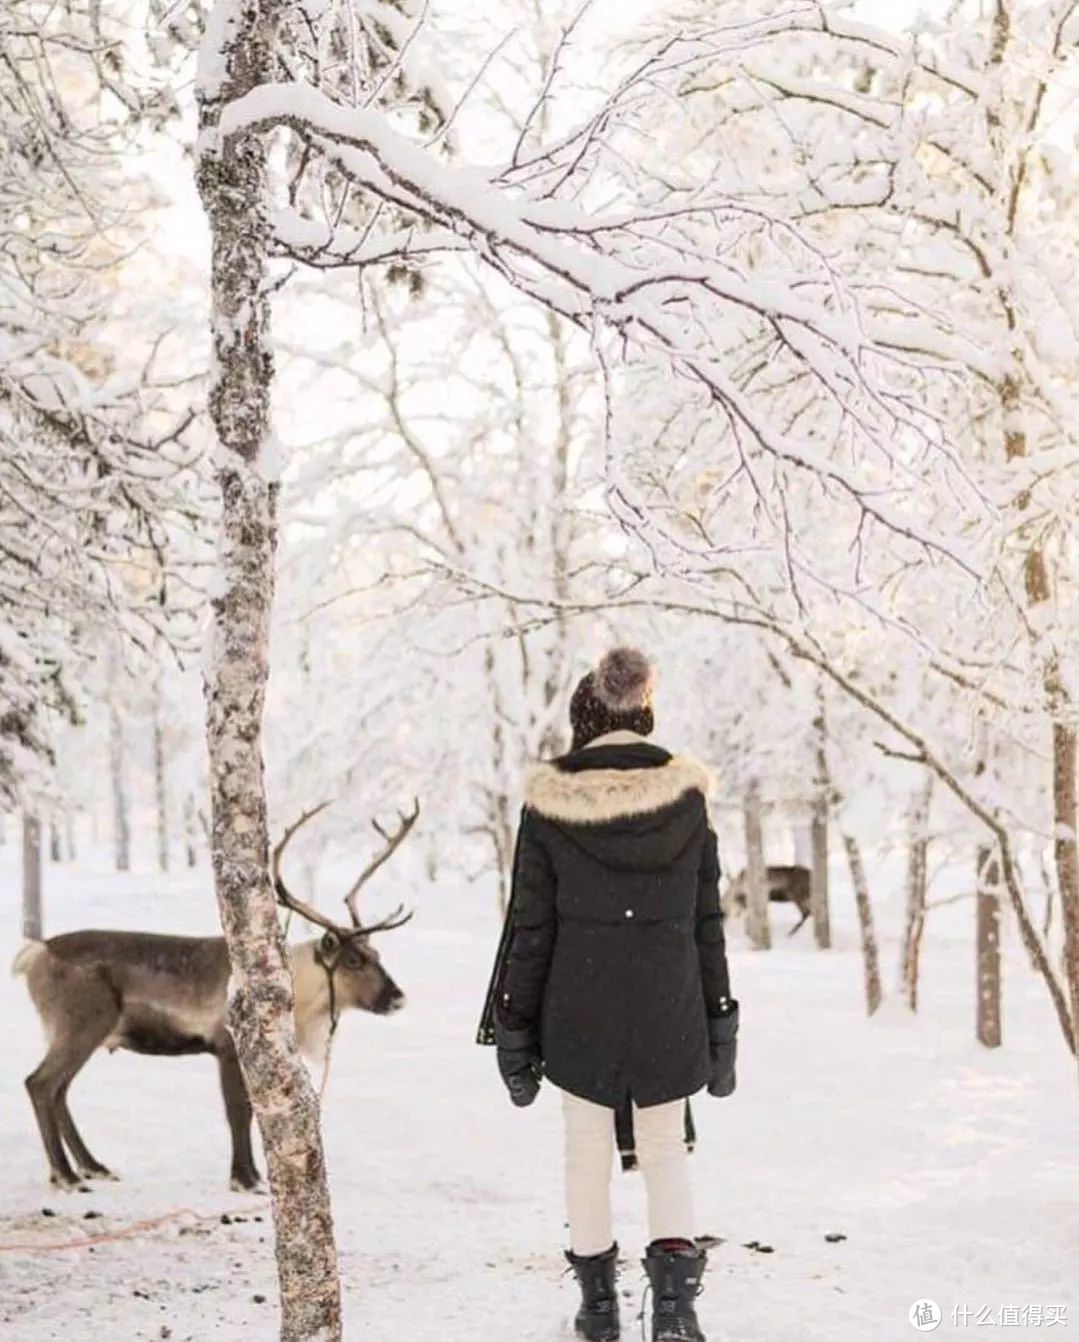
(137, 1230)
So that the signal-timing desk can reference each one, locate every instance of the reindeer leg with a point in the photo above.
(244, 1174)
(798, 924)
(48, 1083)
(89, 1166)
(40, 1086)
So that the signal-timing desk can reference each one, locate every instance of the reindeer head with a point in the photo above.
(352, 964)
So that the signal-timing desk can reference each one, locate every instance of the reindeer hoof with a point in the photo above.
(68, 1183)
(246, 1184)
(99, 1172)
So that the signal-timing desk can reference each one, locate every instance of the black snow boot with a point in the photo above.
(675, 1276)
(597, 1319)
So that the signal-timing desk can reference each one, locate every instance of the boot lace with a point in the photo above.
(666, 1306)
(644, 1308)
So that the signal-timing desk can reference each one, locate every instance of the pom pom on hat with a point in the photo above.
(623, 680)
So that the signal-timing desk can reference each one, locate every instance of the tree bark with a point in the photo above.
(238, 55)
(121, 819)
(917, 884)
(866, 926)
(757, 922)
(987, 949)
(31, 877)
(161, 797)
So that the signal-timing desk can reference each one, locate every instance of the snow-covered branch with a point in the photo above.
(670, 311)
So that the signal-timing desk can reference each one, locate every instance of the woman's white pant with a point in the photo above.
(661, 1152)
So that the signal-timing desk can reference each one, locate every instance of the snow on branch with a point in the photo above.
(636, 279)
(100, 491)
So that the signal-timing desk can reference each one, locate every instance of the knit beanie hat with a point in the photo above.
(616, 696)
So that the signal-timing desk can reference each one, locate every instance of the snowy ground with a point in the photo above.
(952, 1173)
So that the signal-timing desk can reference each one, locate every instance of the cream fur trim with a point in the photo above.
(593, 796)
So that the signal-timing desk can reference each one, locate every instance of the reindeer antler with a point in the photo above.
(284, 895)
(392, 843)
(397, 919)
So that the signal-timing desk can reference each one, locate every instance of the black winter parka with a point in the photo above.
(615, 953)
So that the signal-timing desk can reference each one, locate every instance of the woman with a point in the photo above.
(612, 981)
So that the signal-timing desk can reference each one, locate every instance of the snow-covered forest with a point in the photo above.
(367, 369)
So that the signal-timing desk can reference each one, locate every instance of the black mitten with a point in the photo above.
(518, 1063)
(723, 1046)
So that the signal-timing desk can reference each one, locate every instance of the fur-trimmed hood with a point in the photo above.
(599, 795)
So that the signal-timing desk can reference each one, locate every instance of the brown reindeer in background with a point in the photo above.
(786, 885)
(168, 995)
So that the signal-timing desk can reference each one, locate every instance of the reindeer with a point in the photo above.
(169, 995)
(786, 885)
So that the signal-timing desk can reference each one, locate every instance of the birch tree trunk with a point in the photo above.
(55, 851)
(502, 843)
(69, 837)
(867, 930)
(866, 926)
(500, 826)
(818, 834)
(238, 55)
(121, 818)
(161, 798)
(917, 882)
(1065, 737)
(190, 831)
(1011, 124)
(757, 922)
(1037, 580)
(987, 949)
(31, 877)
(1047, 908)
(1066, 851)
